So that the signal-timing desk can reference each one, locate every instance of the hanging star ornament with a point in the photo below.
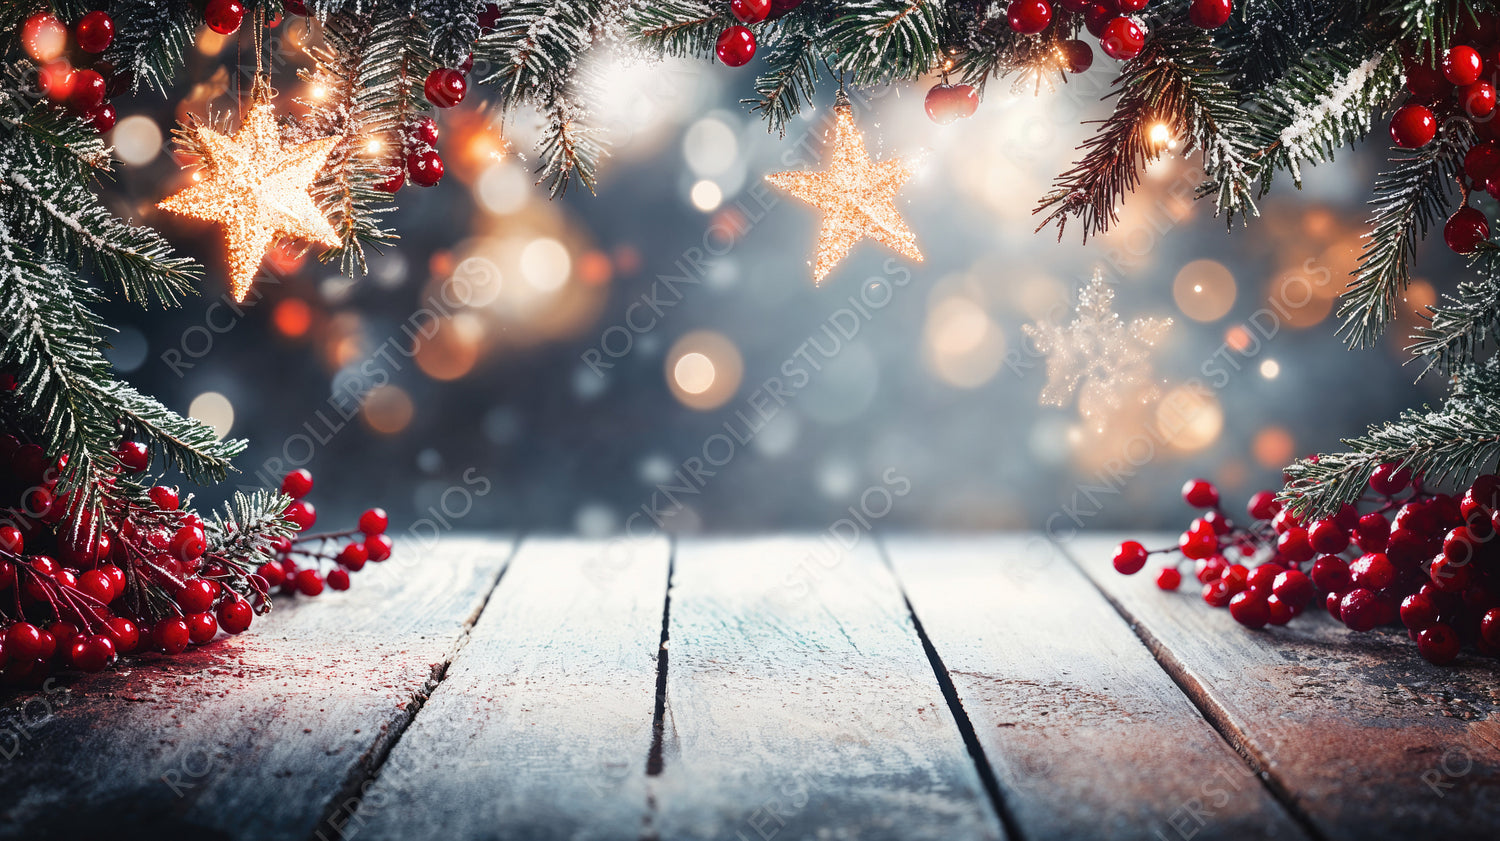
(857, 196)
(257, 188)
(1098, 355)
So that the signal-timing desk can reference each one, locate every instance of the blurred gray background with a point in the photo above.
(600, 362)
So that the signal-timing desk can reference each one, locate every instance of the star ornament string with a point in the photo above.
(857, 196)
(257, 188)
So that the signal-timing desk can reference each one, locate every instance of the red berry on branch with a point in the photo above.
(97, 585)
(94, 32)
(782, 7)
(1263, 577)
(750, 11)
(1263, 505)
(297, 484)
(201, 628)
(379, 547)
(1130, 558)
(395, 179)
(1123, 39)
(171, 635)
(445, 87)
(301, 514)
(1360, 610)
(425, 168)
(87, 92)
(1211, 569)
(1077, 56)
(338, 579)
(1209, 14)
(1426, 83)
(1462, 65)
(134, 456)
(1372, 571)
(1129, 6)
(164, 497)
(353, 556)
(1217, 593)
(1249, 609)
(294, 7)
(1278, 612)
(1200, 493)
(946, 103)
(1482, 161)
(374, 521)
(224, 16)
(424, 130)
(736, 46)
(1418, 612)
(1198, 544)
(1413, 126)
(197, 595)
(1294, 588)
(1489, 627)
(489, 17)
(235, 616)
(1331, 574)
(23, 641)
(1389, 478)
(309, 582)
(1168, 578)
(1438, 644)
(92, 653)
(1096, 17)
(1029, 17)
(124, 633)
(188, 544)
(1478, 99)
(272, 573)
(1328, 537)
(11, 539)
(1466, 229)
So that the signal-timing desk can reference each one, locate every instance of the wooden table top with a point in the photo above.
(750, 689)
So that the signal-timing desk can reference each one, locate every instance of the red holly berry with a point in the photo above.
(1360, 610)
(87, 92)
(424, 130)
(124, 633)
(946, 103)
(374, 521)
(1200, 493)
(92, 653)
(445, 87)
(1263, 505)
(1249, 609)
(188, 544)
(1372, 571)
(1389, 478)
(489, 17)
(117, 579)
(1489, 627)
(134, 456)
(224, 16)
(750, 11)
(201, 627)
(24, 641)
(1466, 229)
(294, 7)
(235, 616)
(1123, 39)
(301, 514)
(1426, 83)
(1029, 17)
(11, 539)
(1462, 65)
(1478, 99)
(1413, 126)
(1168, 578)
(736, 46)
(1217, 593)
(1294, 588)
(1438, 644)
(1418, 612)
(309, 582)
(338, 579)
(97, 585)
(378, 547)
(197, 595)
(1209, 14)
(272, 573)
(395, 179)
(297, 484)
(1097, 16)
(425, 168)
(1077, 56)
(94, 32)
(1331, 574)
(353, 556)
(171, 635)
(1130, 558)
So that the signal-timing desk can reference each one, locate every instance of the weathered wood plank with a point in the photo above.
(1086, 734)
(542, 727)
(1356, 730)
(248, 737)
(800, 704)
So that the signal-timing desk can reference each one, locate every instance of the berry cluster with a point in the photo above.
(82, 586)
(1120, 35)
(306, 563)
(1460, 84)
(1430, 560)
(70, 73)
(736, 44)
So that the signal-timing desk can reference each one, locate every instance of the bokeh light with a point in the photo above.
(215, 410)
(388, 409)
(137, 140)
(703, 370)
(1189, 418)
(1273, 447)
(1204, 290)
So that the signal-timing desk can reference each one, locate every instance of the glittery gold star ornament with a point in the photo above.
(257, 188)
(1098, 355)
(857, 196)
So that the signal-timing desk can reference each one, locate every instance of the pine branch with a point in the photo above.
(1410, 199)
(453, 25)
(569, 149)
(876, 41)
(1175, 81)
(1266, 38)
(46, 190)
(248, 525)
(1448, 444)
(151, 39)
(791, 77)
(1463, 324)
(678, 28)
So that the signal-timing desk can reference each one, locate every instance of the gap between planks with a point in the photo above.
(1197, 694)
(345, 801)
